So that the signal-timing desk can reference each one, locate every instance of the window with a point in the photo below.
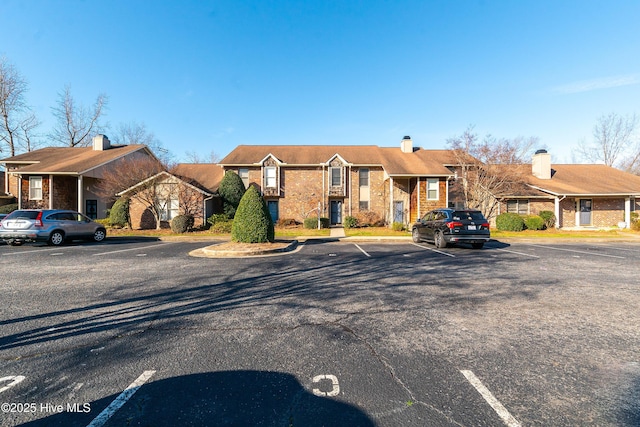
(244, 175)
(520, 207)
(270, 177)
(364, 205)
(35, 188)
(336, 176)
(433, 188)
(169, 209)
(363, 176)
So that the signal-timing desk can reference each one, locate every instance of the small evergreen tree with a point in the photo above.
(231, 191)
(252, 222)
(119, 213)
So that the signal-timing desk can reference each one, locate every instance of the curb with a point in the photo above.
(212, 252)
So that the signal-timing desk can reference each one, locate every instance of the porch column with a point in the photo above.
(50, 191)
(80, 195)
(627, 211)
(556, 210)
(390, 201)
(19, 195)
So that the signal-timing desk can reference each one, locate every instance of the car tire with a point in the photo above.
(477, 245)
(56, 238)
(99, 235)
(14, 243)
(415, 235)
(438, 240)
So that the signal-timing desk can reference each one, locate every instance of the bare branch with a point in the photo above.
(76, 125)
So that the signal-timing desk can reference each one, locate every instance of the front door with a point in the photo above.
(398, 212)
(336, 212)
(273, 209)
(585, 211)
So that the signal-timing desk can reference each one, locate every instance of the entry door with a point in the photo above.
(585, 212)
(336, 212)
(398, 211)
(273, 209)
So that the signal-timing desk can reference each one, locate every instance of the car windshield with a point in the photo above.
(468, 216)
(23, 214)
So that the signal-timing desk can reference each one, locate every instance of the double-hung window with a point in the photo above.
(335, 176)
(433, 188)
(270, 177)
(520, 207)
(35, 188)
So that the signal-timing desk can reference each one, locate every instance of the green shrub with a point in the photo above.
(216, 218)
(252, 222)
(119, 213)
(534, 222)
(7, 209)
(104, 221)
(222, 227)
(509, 222)
(231, 190)
(549, 218)
(397, 226)
(312, 222)
(350, 222)
(182, 223)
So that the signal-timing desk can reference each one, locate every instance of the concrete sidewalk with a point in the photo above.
(336, 232)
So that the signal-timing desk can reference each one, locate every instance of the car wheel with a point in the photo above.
(56, 238)
(99, 235)
(16, 243)
(415, 234)
(477, 245)
(438, 240)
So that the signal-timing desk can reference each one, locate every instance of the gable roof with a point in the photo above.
(204, 175)
(587, 180)
(71, 160)
(393, 160)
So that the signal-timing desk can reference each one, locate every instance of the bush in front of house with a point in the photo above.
(350, 222)
(549, 218)
(252, 222)
(509, 222)
(7, 209)
(369, 219)
(534, 222)
(397, 226)
(311, 222)
(119, 213)
(182, 223)
(287, 222)
(635, 221)
(216, 218)
(231, 190)
(222, 227)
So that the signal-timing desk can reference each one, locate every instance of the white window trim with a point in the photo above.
(32, 187)
(267, 177)
(331, 176)
(435, 181)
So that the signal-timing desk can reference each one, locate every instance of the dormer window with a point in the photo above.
(335, 176)
(270, 180)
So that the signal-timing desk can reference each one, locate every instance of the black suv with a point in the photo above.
(449, 226)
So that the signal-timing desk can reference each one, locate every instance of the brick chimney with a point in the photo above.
(406, 145)
(101, 143)
(541, 164)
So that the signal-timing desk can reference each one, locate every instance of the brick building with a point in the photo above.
(66, 177)
(398, 184)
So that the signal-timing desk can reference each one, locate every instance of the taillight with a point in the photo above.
(485, 225)
(453, 225)
(39, 220)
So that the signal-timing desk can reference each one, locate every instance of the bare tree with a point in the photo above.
(194, 157)
(613, 141)
(76, 124)
(137, 133)
(27, 127)
(482, 177)
(126, 174)
(17, 119)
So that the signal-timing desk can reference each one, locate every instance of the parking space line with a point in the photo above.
(30, 252)
(362, 250)
(578, 252)
(108, 412)
(491, 400)
(434, 250)
(132, 249)
(518, 253)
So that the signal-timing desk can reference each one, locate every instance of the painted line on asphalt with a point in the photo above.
(578, 252)
(108, 412)
(434, 250)
(15, 379)
(30, 252)
(519, 253)
(362, 250)
(502, 412)
(133, 249)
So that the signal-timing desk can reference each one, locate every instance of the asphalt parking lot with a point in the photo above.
(335, 333)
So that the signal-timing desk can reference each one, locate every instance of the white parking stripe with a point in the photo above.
(362, 250)
(519, 253)
(578, 252)
(133, 249)
(108, 412)
(434, 250)
(491, 400)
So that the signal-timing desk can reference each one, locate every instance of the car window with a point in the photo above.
(427, 216)
(468, 216)
(23, 214)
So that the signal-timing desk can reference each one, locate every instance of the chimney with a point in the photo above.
(101, 143)
(406, 145)
(541, 165)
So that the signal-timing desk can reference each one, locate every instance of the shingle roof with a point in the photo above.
(206, 175)
(68, 160)
(394, 161)
(587, 180)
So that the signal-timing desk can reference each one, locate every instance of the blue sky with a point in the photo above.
(209, 75)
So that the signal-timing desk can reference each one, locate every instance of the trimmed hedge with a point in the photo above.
(350, 222)
(509, 222)
(231, 190)
(252, 222)
(182, 223)
(549, 218)
(119, 213)
(312, 222)
(534, 222)
(7, 209)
